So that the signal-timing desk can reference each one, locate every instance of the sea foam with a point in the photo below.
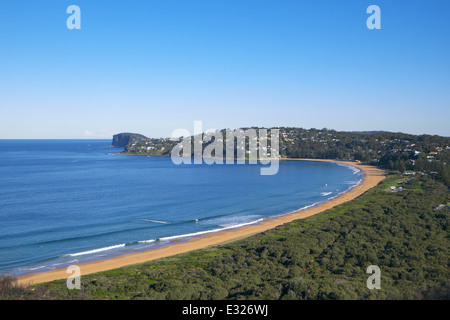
(95, 250)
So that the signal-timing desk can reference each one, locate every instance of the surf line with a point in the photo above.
(156, 221)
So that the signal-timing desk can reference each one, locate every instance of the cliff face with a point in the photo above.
(121, 140)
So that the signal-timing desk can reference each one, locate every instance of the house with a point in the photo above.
(395, 189)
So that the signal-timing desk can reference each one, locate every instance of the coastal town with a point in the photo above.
(395, 151)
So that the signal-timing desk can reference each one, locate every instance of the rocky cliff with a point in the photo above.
(121, 140)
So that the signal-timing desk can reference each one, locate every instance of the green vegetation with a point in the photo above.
(325, 256)
(395, 151)
(122, 140)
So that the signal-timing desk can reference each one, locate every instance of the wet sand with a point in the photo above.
(372, 177)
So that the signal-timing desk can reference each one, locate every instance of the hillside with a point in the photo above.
(122, 140)
(400, 151)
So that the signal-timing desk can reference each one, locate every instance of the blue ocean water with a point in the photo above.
(69, 201)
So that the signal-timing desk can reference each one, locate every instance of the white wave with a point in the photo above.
(30, 268)
(306, 207)
(64, 263)
(325, 193)
(147, 241)
(194, 234)
(188, 235)
(354, 169)
(95, 250)
(156, 221)
(242, 224)
(353, 185)
(231, 221)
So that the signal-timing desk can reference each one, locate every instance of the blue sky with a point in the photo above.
(157, 65)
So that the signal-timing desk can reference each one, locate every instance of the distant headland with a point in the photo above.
(390, 150)
(122, 140)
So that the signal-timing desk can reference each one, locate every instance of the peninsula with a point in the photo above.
(429, 154)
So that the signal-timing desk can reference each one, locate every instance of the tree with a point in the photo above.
(391, 164)
(400, 165)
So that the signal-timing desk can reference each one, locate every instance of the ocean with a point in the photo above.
(64, 202)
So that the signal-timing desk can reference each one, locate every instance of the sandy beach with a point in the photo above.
(373, 176)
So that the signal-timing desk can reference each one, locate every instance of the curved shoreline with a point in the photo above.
(372, 177)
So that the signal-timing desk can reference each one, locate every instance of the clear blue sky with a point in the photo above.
(157, 65)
